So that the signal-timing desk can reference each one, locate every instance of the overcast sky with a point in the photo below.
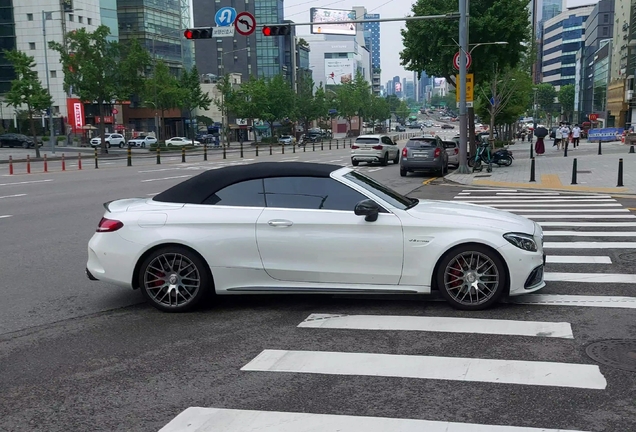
(390, 37)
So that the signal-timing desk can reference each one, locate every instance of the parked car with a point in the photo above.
(142, 141)
(236, 230)
(286, 140)
(425, 153)
(17, 140)
(400, 128)
(374, 148)
(181, 141)
(112, 140)
(452, 149)
(447, 126)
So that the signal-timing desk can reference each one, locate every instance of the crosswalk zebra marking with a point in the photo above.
(589, 245)
(198, 419)
(575, 259)
(590, 277)
(566, 207)
(588, 224)
(579, 216)
(520, 372)
(439, 324)
(616, 302)
(590, 233)
(556, 199)
(573, 210)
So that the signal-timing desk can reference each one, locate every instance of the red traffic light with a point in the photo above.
(267, 31)
(277, 30)
(188, 34)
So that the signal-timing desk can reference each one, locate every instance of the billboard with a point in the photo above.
(339, 70)
(75, 109)
(318, 15)
(606, 134)
(398, 87)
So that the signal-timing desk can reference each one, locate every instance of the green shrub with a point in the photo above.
(61, 138)
(45, 138)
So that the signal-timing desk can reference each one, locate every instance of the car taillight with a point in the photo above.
(456, 151)
(353, 147)
(378, 147)
(438, 151)
(405, 152)
(109, 225)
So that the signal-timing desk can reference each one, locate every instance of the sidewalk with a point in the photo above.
(595, 173)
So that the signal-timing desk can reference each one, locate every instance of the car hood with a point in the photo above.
(472, 214)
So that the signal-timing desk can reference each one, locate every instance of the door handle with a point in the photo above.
(280, 223)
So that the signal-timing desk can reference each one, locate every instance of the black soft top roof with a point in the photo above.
(196, 189)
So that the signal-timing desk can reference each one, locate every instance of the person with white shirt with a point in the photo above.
(565, 135)
(576, 134)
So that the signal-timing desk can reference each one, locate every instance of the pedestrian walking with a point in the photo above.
(576, 134)
(539, 146)
(565, 136)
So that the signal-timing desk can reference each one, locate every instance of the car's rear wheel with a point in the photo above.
(385, 159)
(174, 279)
(396, 159)
(403, 172)
(471, 277)
(354, 162)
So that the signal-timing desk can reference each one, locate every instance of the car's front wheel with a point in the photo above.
(174, 279)
(354, 162)
(471, 277)
(121, 144)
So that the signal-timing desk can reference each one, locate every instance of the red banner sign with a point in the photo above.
(75, 109)
(107, 119)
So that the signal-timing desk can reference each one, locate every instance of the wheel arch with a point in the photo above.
(434, 286)
(142, 258)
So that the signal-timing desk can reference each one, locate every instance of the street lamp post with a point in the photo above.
(48, 85)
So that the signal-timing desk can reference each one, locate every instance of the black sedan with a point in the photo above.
(447, 126)
(16, 140)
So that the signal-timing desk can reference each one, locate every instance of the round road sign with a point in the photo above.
(245, 23)
(469, 60)
(115, 111)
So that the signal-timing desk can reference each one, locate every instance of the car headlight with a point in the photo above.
(522, 241)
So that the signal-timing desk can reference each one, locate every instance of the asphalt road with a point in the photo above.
(85, 356)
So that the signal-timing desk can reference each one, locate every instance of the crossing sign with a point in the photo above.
(225, 16)
(245, 23)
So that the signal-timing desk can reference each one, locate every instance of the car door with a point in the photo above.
(308, 232)
(390, 146)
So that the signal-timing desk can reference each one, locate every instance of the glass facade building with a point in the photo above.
(372, 39)
(158, 25)
(601, 78)
(108, 14)
(7, 42)
(270, 53)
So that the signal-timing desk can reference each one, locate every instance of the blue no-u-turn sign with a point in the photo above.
(225, 16)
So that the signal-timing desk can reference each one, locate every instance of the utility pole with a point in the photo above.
(48, 85)
(463, 119)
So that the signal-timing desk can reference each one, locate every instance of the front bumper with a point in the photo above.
(525, 269)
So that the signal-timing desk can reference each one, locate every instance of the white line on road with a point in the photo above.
(575, 300)
(430, 367)
(337, 160)
(590, 277)
(570, 210)
(374, 169)
(578, 216)
(440, 324)
(26, 182)
(575, 259)
(546, 199)
(166, 178)
(530, 194)
(234, 420)
(589, 245)
(489, 190)
(540, 206)
(12, 196)
(152, 194)
(588, 224)
(5, 216)
(591, 233)
(159, 170)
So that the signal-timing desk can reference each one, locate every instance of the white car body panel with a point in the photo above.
(319, 252)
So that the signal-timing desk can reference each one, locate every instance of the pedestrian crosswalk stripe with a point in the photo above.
(588, 224)
(589, 245)
(591, 233)
(489, 190)
(494, 199)
(567, 206)
(439, 324)
(430, 367)
(590, 277)
(575, 259)
(569, 210)
(575, 300)
(234, 420)
(579, 216)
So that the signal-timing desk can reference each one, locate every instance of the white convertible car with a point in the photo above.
(292, 227)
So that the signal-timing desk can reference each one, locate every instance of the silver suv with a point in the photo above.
(425, 153)
(374, 148)
(112, 140)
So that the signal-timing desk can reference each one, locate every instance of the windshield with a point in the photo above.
(419, 142)
(367, 140)
(390, 196)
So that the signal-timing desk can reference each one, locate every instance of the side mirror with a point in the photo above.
(367, 208)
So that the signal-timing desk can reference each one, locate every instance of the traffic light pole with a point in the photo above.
(452, 15)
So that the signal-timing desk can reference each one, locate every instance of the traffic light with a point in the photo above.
(198, 33)
(277, 30)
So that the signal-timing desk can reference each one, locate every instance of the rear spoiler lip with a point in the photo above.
(106, 204)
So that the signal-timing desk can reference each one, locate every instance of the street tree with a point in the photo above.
(101, 71)
(363, 94)
(193, 96)
(546, 94)
(378, 110)
(347, 101)
(26, 90)
(566, 99)
(402, 112)
(268, 99)
(307, 108)
(163, 92)
(321, 103)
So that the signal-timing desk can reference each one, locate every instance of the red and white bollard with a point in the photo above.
(28, 164)
(63, 163)
(10, 165)
(46, 165)
(79, 161)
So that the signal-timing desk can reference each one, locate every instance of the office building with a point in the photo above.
(620, 99)
(397, 87)
(540, 11)
(335, 59)
(372, 39)
(409, 89)
(563, 36)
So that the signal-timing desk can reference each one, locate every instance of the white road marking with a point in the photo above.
(566, 206)
(12, 196)
(575, 300)
(159, 170)
(581, 216)
(589, 245)
(430, 367)
(530, 194)
(26, 182)
(591, 233)
(5, 216)
(575, 259)
(337, 160)
(587, 224)
(571, 210)
(233, 420)
(166, 178)
(546, 199)
(374, 169)
(152, 194)
(489, 190)
(590, 277)
(440, 324)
